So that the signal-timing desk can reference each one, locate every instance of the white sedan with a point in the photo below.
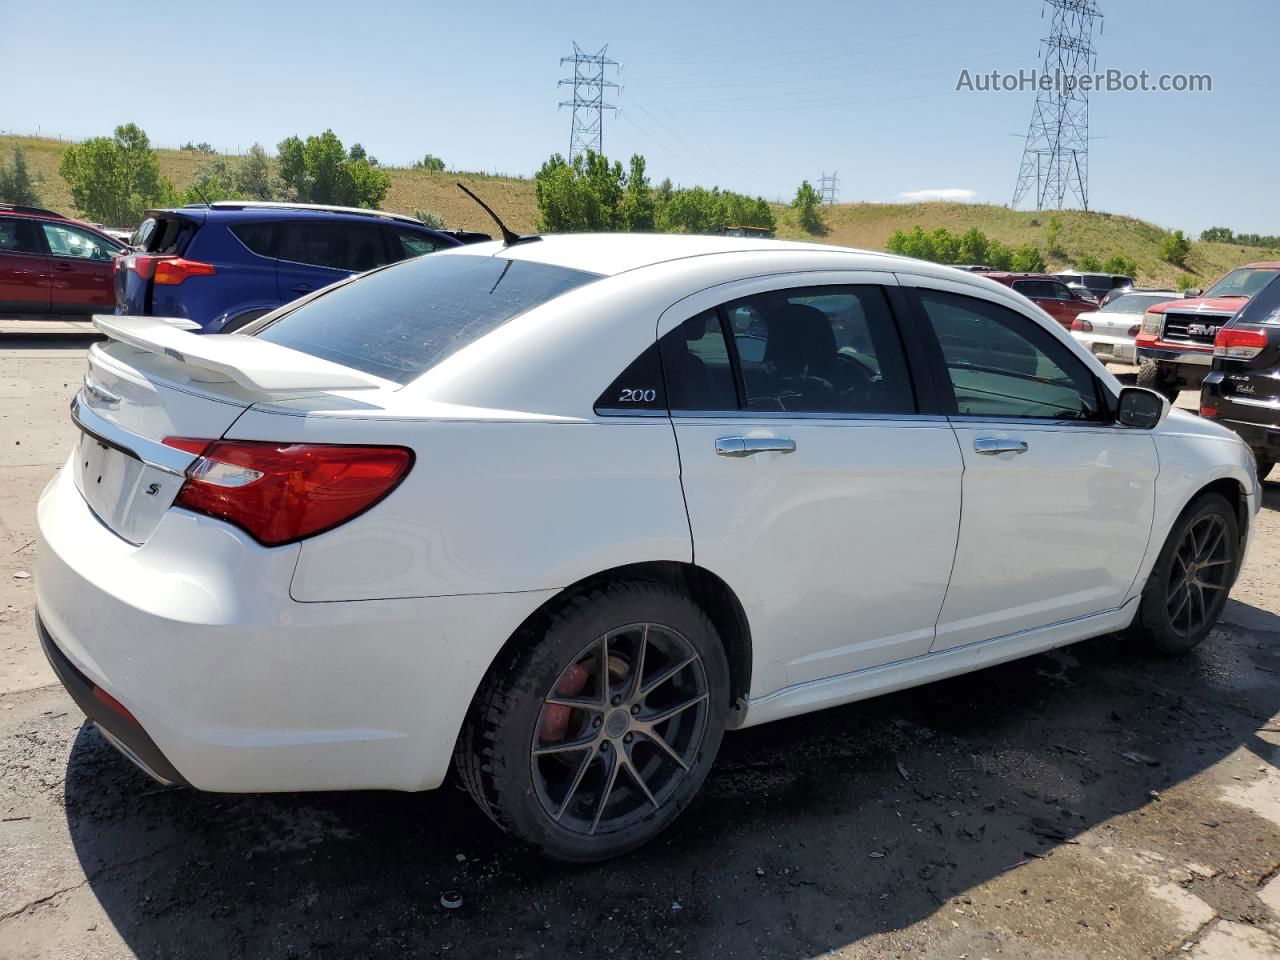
(1108, 332)
(561, 512)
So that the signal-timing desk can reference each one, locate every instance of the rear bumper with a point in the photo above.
(129, 738)
(238, 688)
(1107, 348)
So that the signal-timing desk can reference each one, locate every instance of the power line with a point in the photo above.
(586, 131)
(1055, 160)
(829, 187)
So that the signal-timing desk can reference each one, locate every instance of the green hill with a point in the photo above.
(866, 225)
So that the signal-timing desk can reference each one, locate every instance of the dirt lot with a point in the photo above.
(1091, 803)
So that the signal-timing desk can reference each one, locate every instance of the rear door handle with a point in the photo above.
(992, 447)
(747, 446)
(301, 288)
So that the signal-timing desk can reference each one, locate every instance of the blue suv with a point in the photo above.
(224, 264)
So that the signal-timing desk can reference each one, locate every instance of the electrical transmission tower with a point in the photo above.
(829, 188)
(1055, 161)
(589, 86)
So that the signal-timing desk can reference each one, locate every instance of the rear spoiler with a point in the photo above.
(258, 366)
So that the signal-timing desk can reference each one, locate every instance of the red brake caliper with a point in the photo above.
(555, 716)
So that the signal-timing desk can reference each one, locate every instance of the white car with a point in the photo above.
(563, 511)
(1109, 332)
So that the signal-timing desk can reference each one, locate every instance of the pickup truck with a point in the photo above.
(1175, 345)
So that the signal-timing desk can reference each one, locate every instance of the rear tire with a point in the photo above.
(1152, 376)
(1189, 583)
(640, 685)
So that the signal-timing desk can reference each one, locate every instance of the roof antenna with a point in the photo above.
(509, 237)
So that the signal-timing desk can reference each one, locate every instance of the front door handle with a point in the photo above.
(992, 447)
(747, 446)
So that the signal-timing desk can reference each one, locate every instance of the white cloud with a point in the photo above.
(956, 194)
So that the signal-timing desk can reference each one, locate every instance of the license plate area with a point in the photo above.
(127, 495)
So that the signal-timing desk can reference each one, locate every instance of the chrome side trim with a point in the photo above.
(1272, 404)
(153, 454)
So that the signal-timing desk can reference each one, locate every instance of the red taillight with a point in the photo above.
(167, 269)
(281, 492)
(173, 272)
(1084, 326)
(114, 705)
(1135, 330)
(1208, 411)
(1233, 344)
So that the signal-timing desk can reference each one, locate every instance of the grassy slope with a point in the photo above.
(866, 225)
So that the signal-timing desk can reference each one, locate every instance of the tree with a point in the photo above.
(1216, 235)
(808, 207)
(946, 246)
(1122, 265)
(973, 247)
(639, 210)
(1089, 264)
(1053, 235)
(114, 179)
(1027, 259)
(253, 178)
(431, 219)
(999, 256)
(16, 185)
(1175, 248)
(201, 147)
(431, 163)
(212, 182)
(319, 170)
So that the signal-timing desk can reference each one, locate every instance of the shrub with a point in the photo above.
(1185, 282)
(1028, 259)
(16, 185)
(1089, 264)
(431, 219)
(1053, 235)
(1175, 248)
(1125, 266)
(808, 206)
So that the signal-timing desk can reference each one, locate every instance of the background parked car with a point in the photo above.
(1242, 391)
(223, 265)
(1083, 292)
(1109, 332)
(1175, 347)
(1125, 291)
(1047, 292)
(53, 265)
(1099, 284)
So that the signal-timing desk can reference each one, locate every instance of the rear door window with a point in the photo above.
(337, 244)
(19, 236)
(260, 238)
(400, 322)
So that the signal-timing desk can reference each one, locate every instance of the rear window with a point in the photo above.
(1137, 302)
(1263, 308)
(399, 322)
(163, 235)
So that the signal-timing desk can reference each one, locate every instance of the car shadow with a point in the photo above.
(810, 833)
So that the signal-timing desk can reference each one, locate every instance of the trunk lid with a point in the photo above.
(154, 380)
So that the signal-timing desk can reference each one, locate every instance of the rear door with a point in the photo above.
(24, 269)
(83, 275)
(1243, 390)
(317, 252)
(1058, 499)
(813, 483)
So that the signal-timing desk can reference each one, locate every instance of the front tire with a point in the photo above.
(1188, 585)
(1152, 376)
(589, 740)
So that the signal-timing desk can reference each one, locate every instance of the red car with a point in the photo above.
(1175, 347)
(1048, 293)
(53, 265)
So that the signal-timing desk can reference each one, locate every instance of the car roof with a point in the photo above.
(1261, 265)
(1003, 275)
(609, 254)
(39, 213)
(267, 210)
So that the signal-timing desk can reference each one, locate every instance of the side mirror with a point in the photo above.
(1141, 408)
(1193, 292)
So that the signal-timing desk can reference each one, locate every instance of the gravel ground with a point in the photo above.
(1089, 803)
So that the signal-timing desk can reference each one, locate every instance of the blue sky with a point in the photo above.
(747, 95)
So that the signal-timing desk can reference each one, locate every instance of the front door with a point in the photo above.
(1058, 500)
(812, 484)
(24, 269)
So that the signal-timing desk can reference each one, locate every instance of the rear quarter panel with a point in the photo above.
(244, 281)
(493, 505)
